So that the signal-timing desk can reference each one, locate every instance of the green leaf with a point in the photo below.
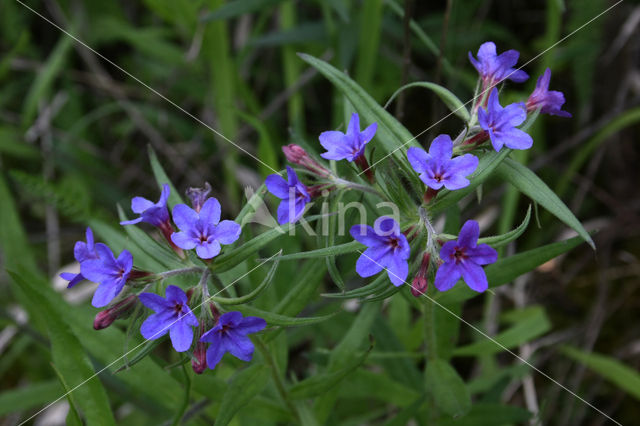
(237, 8)
(29, 396)
(530, 323)
(450, 100)
(623, 376)
(390, 134)
(507, 269)
(504, 239)
(68, 356)
(243, 387)
(324, 382)
(447, 388)
(162, 178)
(380, 283)
(73, 418)
(351, 247)
(281, 320)
(377, 385)
(147, 348)
(255, 293)
(489, 415)
(488, 163)
(530, 184)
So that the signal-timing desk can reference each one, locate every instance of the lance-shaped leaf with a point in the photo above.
(281, 320)
(162, 178)
(256, 292)
(350, 247)
(447, 388)
(381, 282)
(452, 102)
(530, 184)
(244, 386)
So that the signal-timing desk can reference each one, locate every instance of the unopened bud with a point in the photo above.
(120, 310)
(199, 359)
(420, 283)
(198, 196)
(295, 154)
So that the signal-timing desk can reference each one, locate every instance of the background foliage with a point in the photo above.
(74, 132)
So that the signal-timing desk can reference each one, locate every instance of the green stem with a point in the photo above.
(275, 374)
(171, 273)
(185, 401)
(429, 331)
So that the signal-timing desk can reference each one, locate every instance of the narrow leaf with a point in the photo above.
(447, 388)
(452, 102)
(244, 386)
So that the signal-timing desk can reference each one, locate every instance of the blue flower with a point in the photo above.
(501, 124)
(292, 192)
(349, 146)
(549, 102)
(203, 230)
(172, 315)
(230, 335)
(111, 273)
(81, 251)
(463, 258)
(155, 214)
(494, 68)
(387, 249)
(438, 169)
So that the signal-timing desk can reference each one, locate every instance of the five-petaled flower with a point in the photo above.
(387, 249)
(549, 101)
(111, 273)
(463, 258)
(81, 251)
(230, 335)
(203, 230)
(501, 124)
(494, 68)
(350, 145)
(172, 315)
(292, 192)
(438, 169)
(155, 214)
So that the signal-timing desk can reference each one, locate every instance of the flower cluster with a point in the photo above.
(197, 234)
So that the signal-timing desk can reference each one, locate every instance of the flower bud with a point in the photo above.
(420, 283)
(199, 359)
(297, 155)
(120, 310)
(198, 196)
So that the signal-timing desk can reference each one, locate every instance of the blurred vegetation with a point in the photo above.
(76, 124)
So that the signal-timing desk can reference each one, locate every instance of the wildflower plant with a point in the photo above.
(183, 289)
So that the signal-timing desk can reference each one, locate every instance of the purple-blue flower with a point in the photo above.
(463, 258)
(387, 249)
(438, 169)
(81, 251)
(549, 101)
(501, 123)
(292, 192)
(172, 315)
(109, 272)
(230, 335)
(203, 230)
(494, 68)
(350, 145)
(155, 214)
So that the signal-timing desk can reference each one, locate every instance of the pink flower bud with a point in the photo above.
(199, 360)
(121, 309)
(297, 155)
(420, 283)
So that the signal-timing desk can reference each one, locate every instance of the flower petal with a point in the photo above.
(283, 212)
(463, 165)
(370, 261)
(131, 222)
(125, 260)
(156, 326)
(184, 216)
(482, 254)
(175, 294)
(164, 194)
(447, 250)
(183, 240)
(153, 301)
(140, 204)
(447, 276)
(214, 353)
(517, 139)
(239, 346)
(210, 211)
(277, 186)
(181, 336)
(208, 250)
(365, 234)
(441, 148)
(105, 293)
(418, 159)
(251, 325)
(353, 129)
(227, 232)
(398, 270)
(94, 270)
(513, 114)
(474, 276)
(368, 133)
(233, 318)
(468, 236)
